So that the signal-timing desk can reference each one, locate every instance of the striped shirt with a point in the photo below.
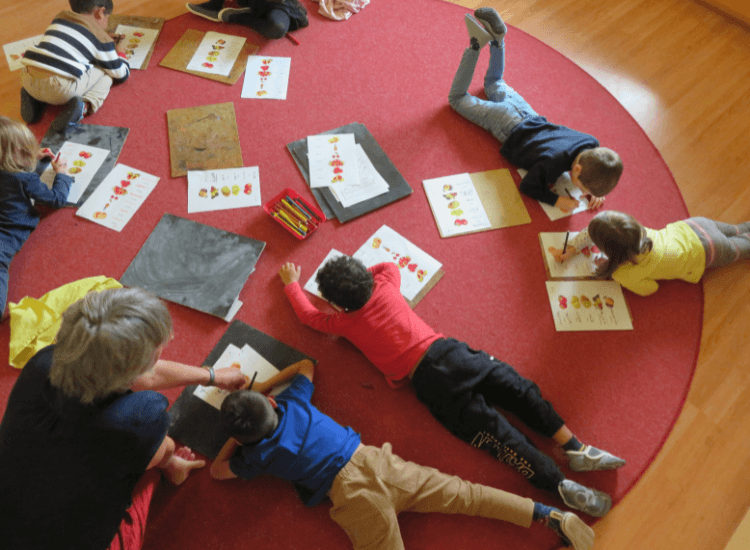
(71, 45)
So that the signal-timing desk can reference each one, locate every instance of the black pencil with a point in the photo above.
(565, 246)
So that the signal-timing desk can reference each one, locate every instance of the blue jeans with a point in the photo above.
(503, 109)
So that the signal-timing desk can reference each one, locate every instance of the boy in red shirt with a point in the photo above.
(459, 385)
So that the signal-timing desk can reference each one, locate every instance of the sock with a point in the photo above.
(573, 444)
(495, 43)
(541, 512)
(474, 43)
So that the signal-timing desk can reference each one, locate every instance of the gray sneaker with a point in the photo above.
(590, 459)
(492, 22)
(227, 14)
(589, 501)
(201, 10)
(31, 108)
(571, 529)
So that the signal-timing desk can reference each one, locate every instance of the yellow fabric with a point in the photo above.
(677, 254)
(34, 323)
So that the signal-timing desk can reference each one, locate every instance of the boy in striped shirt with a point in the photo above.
(74, 65)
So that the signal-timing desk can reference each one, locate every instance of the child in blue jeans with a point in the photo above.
(20, 185)
(289, 438)
(546, 150)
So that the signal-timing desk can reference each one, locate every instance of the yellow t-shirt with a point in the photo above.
(677, 254)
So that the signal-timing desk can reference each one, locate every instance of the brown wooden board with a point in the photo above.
(137, 21)
(203, 138)
(422, 293)
(182, 52)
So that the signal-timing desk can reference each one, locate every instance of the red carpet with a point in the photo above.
(390, 67)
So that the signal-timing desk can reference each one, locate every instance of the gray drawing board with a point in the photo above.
(193, 264)
(111, 138)
(399, 188)
(197, 424)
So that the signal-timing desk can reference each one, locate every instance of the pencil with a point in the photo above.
(250, 385)
(290, 37)
(565, 246)
(568, 192)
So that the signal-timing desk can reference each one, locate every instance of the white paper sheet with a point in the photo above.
(15, 50)
(266, 77)
(118, 197)
(456, 204)
(223, 189)
(563, 187)
(83, 162)
(333, 160)
(311, 285)
(216, 53)
(370, 185)
(138, 42)
(588, 305)
(579, 266)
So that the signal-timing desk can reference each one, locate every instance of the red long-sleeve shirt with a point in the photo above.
(386, 329)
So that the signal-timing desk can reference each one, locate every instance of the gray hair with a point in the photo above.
(108, 339)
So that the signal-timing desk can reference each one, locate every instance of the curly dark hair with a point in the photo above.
(345, 281)
(248, 416)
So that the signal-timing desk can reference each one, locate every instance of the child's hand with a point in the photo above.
(596, 202)
(45, 153)
(59, 165)
(557, 253)
(566, 204)
(290, 273)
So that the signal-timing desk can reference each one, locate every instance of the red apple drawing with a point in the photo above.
(208, 65)
(125, 183)
(248, 189)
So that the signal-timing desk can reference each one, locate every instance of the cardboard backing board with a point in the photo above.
(197, 424)
(399, 188)
(422, 293)
(203, 138)
(182, 52)
(193, 264)
(111, 138)
(155, 23)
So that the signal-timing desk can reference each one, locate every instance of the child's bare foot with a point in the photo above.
(179, 466)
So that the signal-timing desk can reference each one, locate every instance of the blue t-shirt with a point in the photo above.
(67, 470)
(307, 448)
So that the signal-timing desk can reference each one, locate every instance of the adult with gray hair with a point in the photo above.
(84, 435)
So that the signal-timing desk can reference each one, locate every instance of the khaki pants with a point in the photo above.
(93, 87)
(375, 486)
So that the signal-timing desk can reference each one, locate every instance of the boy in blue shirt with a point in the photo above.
(289, 438)
(546, 150)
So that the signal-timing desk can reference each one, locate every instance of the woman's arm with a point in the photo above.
(170, 374)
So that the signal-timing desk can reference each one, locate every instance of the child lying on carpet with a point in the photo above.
(75, 65)
(20, 185)
(459, 385)
(636, 256)
(289, 438)
(270, 18)
(546, 150)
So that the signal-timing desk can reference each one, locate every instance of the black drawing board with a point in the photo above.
(197, 424)
(399, 188)
(193, 264)
(111, 138)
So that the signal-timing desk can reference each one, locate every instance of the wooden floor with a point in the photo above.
(683, 71)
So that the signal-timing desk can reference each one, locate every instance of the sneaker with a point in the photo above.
(204, 10)
(589, 501)
(476, 30)
(70, 116)
(492, 22)
(571, 530)
(31, 108)
(226, 15)
(590, 458)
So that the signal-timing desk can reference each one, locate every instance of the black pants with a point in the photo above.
(462, 386)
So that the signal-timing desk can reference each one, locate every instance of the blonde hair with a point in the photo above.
(620, 237)
(18, 147)
(601, 169)
(108, 339)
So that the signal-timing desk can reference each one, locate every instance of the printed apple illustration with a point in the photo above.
(138, 34)
(454, 204)
(585, 301)
(447, 187)
(261, 93)
(264, 67)
(212, 59)
(461, 221)
(84, 154)
(420, 275)
(203, 193)
(336, 162)
(267, 61)
(214, 192)
(100, 215)
(597, 302)
(403, 262)
(248, 189)
(220, 41)
(15, 57)
(458, 212)
(226, 191)
(376, 242)
(576, 302)
(235, 190)
(337, 178)
(450, 196)
(609, 301)
(133, 175)
(412, 267)
(120, 190)
(337, 170)
(74, 170)
(263, 73)
(563, 302)
(79, 163)
(207, 65)
(134, 41)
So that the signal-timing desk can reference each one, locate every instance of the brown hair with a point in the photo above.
(620, 237)
(18, 147)
(601, 169)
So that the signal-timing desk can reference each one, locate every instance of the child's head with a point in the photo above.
(90, 6)
(18, 147)
(597, 170)
(248, 416)
(345, 282)
(620, 237)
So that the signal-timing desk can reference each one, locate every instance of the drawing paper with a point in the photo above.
(118, 197)
(456, 205)
(266, 77)
(370, 185)
(580, 266)
(311, 285)
(333, 160)
(588, 305)
(223, 189)
(138, 42)
(15, 50)
(562, 184)
(216, 53)
(83, 162)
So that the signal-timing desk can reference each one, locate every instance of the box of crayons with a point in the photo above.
(294, 213)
